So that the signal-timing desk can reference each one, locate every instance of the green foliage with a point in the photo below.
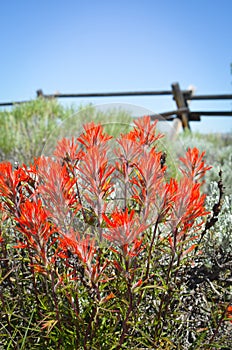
(24, 129)
(31, 129)
(180, 306)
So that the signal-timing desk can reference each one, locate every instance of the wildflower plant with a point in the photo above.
(97, 243)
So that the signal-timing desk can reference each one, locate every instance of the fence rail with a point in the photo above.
(182, 115)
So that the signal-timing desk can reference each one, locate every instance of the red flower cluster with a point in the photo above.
(73, 196)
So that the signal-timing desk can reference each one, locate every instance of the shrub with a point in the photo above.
(32, 128)
(100, 248)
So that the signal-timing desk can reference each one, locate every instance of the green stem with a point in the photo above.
(125, 325)
(150, 249)
(89, 330)
(56, 307)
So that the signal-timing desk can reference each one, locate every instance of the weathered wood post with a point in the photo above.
(39, 93)
(181, 103)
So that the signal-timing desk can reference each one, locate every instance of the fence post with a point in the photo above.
(181, 103)
(39, 93)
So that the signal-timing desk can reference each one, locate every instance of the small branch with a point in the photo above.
(213, 288)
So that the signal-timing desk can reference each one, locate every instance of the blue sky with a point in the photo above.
(77, 46)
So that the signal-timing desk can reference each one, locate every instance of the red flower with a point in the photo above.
(96, 183)
(67, 149)
(165, 200)
(96, 172)
(57, 188)
(84, 248)
(34, 225)
(129, 150)
(189, 204)
(229, 313)
(93, 136)
(194, 164)
(11, 183)
(148, 178)
(187, 208)
(145, 131)
(123, 227)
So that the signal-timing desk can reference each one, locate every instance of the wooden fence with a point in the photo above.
(182, 116)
